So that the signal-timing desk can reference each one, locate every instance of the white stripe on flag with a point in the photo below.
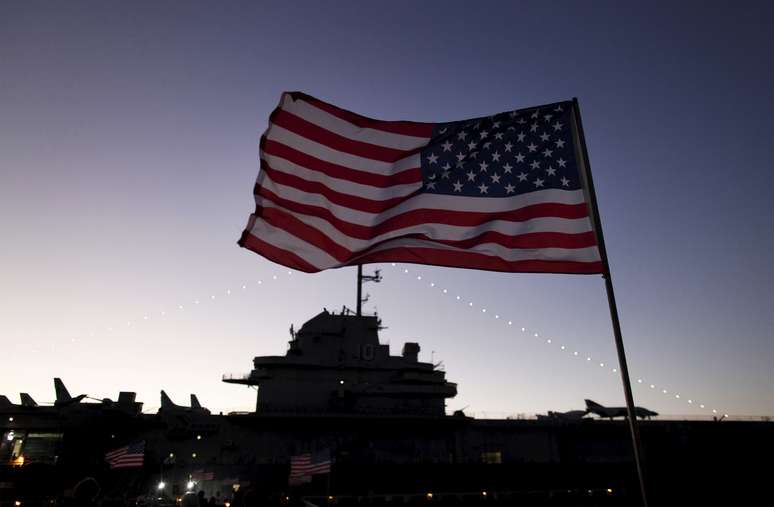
(323, 152)
(312, 114)
(426, 202)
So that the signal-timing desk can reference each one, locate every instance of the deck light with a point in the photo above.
(161, 485)
(10, 419)
(190, 485)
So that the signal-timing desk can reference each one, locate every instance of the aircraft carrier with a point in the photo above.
(382, 420)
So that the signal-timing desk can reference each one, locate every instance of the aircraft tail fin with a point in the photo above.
(61, 391)
(195, 402)
(166, 402)
(5, 402)
(590, 404)
(27, 401)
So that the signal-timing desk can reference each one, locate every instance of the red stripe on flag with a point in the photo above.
(338, 171)
(275, 254)
(406, 128)
(313, 236)
(424, 216)
(340, 198)
(299, 229)
(337, 142)
(473, 260)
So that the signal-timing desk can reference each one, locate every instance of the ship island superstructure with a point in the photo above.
(335, 364)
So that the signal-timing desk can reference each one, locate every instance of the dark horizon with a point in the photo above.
(128, 152)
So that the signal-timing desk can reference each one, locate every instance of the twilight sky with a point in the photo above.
(128, 152)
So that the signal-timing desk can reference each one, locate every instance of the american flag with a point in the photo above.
(128, 456)
(304, 466)
(503, 192)
(201, 475)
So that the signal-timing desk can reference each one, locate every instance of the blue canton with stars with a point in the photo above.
(503, 155)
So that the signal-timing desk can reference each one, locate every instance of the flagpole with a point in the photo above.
(592, 199)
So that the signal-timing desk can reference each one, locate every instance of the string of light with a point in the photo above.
(181, 307)
(548, 341)
(184, 305)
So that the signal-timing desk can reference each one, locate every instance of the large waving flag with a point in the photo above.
(504, 192)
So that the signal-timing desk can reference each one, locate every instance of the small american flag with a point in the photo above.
(503, 192)
(129, 456)
(201, 475)
(304, 466)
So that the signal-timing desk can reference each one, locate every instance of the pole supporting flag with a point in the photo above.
(591, 198)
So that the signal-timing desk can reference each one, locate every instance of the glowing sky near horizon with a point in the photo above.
(128, 152)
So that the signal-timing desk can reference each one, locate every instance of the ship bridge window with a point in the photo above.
(492, 457)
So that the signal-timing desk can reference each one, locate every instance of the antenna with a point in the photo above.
(376, 277)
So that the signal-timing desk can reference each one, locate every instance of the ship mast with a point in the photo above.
(376, 277)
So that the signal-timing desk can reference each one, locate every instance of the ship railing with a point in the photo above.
(236, 376)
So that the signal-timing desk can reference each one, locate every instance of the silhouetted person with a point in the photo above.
(202, 499)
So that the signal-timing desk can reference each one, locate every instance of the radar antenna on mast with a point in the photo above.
(376, 277)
